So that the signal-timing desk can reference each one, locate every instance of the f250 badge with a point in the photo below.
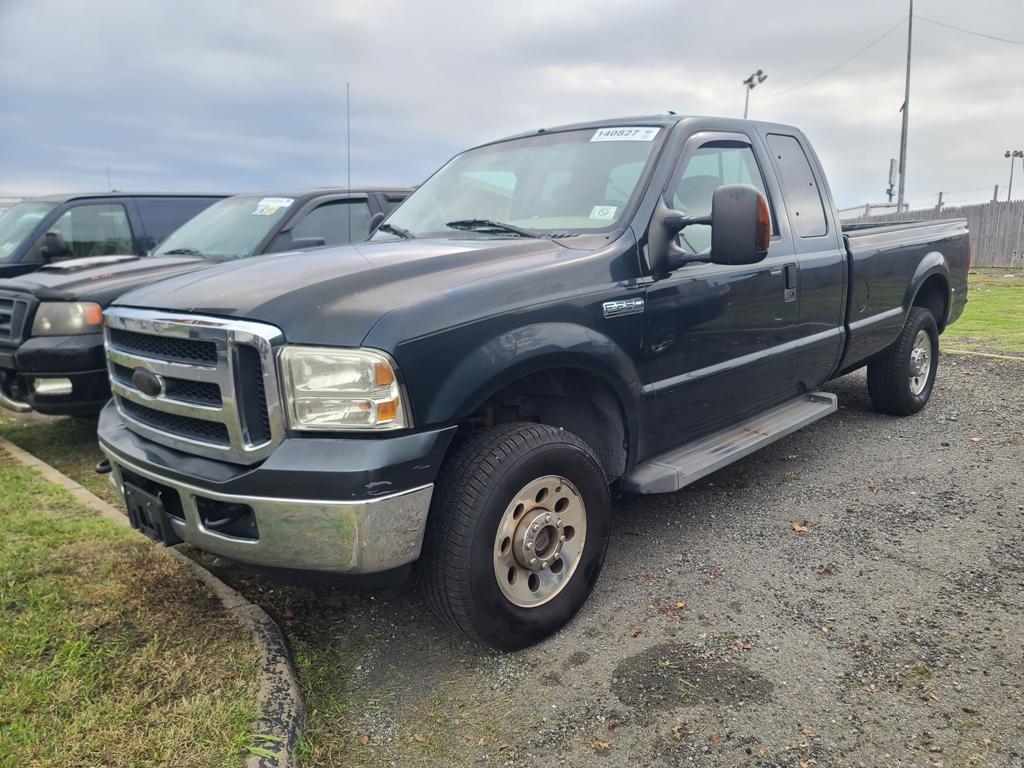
(622, 307)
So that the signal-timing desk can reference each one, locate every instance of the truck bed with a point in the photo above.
(884, 261)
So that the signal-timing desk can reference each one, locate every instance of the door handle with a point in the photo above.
(789, 293)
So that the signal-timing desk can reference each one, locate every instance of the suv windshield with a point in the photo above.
(566, 182)
(229, 229)
(17, 223)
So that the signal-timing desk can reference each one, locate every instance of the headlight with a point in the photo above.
(67, 318)
(341, 389)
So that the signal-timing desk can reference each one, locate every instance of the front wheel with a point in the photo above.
(901, 380)
(517, 534)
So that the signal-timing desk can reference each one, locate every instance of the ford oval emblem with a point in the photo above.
(147, 382)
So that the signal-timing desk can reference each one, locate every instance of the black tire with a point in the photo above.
(475, 486)
(889, 375)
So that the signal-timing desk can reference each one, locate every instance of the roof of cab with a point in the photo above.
(69, 196)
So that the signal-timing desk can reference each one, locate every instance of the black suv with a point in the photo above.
(46, 229)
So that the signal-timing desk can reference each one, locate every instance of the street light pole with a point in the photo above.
(1013, 161)
(750, 84)
(906, 114)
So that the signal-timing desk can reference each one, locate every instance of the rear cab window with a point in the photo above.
(95, 229)
(803, 198)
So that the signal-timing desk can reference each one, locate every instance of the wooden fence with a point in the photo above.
(997, 229)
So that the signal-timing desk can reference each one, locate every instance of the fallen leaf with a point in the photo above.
(715, 738)
(680, 605)
(481, 741)
(637, 631)
(364, 740)
(975, 439)
(601, 745)
(807, 731)
(287, 613)
(824, 571)
(799, 527)
(419, 738)
(612, 726)
(677, 732)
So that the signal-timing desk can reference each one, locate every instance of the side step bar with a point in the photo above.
(681, 466)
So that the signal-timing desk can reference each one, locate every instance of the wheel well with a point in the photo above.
(571, 398)
(933, 295)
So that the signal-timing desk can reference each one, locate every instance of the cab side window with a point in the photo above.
(336, 223)
(95, 230)
(713, 165)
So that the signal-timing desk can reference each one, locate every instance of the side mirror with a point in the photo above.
(741, 230)
(375, 221)
(54, 247)
(741, 226)
(306, 242)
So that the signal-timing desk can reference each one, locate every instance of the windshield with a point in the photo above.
(229, 229)
(17, 223)
(567, 182)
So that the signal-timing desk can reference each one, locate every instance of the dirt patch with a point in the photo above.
(670, 675)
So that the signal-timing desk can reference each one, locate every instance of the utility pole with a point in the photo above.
(751, 83)
(906, 114)
(1013, 161)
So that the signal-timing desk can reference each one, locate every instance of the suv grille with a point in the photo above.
(14, 312)
(210, 384)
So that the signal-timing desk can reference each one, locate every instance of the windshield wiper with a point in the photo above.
(482, 225)
(405, 234)
(182, 252)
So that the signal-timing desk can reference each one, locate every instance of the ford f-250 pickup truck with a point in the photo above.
(51, 339)
(636, 301)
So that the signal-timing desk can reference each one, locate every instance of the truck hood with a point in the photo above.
(334, 296)
(101, 279)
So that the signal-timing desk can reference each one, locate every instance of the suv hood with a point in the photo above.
(334, 296)
(101, 279)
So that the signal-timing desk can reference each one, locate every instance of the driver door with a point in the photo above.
(720, 344)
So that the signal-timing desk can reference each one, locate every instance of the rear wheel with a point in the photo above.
(901, 380)
(517, 534)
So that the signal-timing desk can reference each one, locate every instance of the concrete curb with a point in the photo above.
(988, 355)
(282, 714)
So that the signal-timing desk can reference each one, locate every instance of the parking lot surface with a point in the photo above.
(850, 596)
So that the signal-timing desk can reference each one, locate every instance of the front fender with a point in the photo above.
(517, 353)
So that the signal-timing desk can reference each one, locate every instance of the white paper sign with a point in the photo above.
(604, 212)
(268, 206)
(625, 134)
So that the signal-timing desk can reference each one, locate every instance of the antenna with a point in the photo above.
(348, 157)
(110, 187)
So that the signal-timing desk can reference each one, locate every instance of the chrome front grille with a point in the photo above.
(14, 312)
(212, 384)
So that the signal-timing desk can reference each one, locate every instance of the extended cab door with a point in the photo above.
(720, 343)
(822, 278)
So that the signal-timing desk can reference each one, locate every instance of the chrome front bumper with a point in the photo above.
(347, 537)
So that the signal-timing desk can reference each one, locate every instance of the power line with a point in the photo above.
(969, 31)
(841, 64)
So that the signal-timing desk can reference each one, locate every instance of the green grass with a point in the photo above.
(110, 653)
(993, 320)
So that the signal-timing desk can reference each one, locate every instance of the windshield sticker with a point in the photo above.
(625, 134)
(604, 212)
(268, 206)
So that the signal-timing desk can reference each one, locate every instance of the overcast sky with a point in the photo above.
(238, 95)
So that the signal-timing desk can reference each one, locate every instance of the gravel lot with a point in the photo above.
(721, 633)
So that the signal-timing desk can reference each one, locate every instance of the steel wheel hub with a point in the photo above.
(920, 362)
(539, 541)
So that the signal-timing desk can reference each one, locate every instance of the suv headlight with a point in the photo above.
(67, 318)
(341, 390)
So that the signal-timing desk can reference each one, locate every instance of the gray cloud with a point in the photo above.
(250, 94)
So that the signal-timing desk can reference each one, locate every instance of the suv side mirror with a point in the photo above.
(741, 230)
(375, 221)
(306, 242)
(54, 247)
